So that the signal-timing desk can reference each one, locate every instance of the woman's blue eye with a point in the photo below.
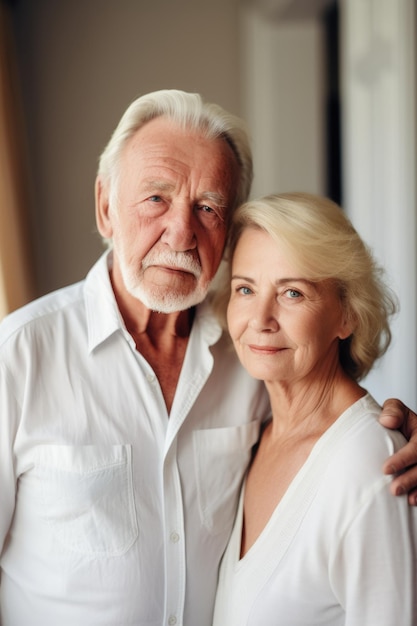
(245, 290)
(293, 293)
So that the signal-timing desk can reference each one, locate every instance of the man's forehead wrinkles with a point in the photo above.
(162, 185)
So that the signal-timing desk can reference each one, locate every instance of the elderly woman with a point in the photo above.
(313, 538)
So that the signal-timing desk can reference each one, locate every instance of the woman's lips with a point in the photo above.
(265, 349)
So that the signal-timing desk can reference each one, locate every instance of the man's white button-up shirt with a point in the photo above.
(112, 512)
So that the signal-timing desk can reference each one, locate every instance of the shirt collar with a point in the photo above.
(103, 315)
(206, 323)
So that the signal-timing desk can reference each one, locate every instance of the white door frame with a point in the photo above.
(379, 164)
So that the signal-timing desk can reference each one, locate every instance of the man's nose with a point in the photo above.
(179, 232)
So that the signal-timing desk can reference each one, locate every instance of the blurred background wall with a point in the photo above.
(327, 88)
(82, 62)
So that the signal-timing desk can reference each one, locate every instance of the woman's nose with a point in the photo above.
(265, 318)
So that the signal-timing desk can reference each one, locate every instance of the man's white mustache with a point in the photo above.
(184, 261)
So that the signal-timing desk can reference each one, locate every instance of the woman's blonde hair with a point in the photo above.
(320, 239)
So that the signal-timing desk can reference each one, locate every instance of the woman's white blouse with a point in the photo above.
(338, 550)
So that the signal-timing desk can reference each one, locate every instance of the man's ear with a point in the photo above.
(103, 221)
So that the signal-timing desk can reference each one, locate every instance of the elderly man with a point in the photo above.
(126, 423)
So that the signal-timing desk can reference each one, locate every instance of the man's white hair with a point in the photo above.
(191, 112)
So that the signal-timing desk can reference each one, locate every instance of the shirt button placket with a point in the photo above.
(174, 538)
(174, 542)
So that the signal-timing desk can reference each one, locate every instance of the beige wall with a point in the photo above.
(82, 63)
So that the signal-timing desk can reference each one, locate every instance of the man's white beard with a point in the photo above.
(163, 299)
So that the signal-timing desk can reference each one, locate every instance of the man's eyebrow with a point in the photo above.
(211, 196)
(217, 198)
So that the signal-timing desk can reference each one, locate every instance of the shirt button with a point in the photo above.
(172, 620)
(150, 378)
(174, 537)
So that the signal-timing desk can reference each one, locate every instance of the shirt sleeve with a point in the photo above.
(9, 418)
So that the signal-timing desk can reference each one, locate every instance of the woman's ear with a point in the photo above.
(347, 326)
(103, 221)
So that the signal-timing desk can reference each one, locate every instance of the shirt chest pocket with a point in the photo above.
(87, 497)
(221, 457)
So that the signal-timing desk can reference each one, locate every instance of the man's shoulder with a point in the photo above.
(41, 310)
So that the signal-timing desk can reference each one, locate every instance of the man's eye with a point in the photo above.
(206, 209)
(155, 198)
